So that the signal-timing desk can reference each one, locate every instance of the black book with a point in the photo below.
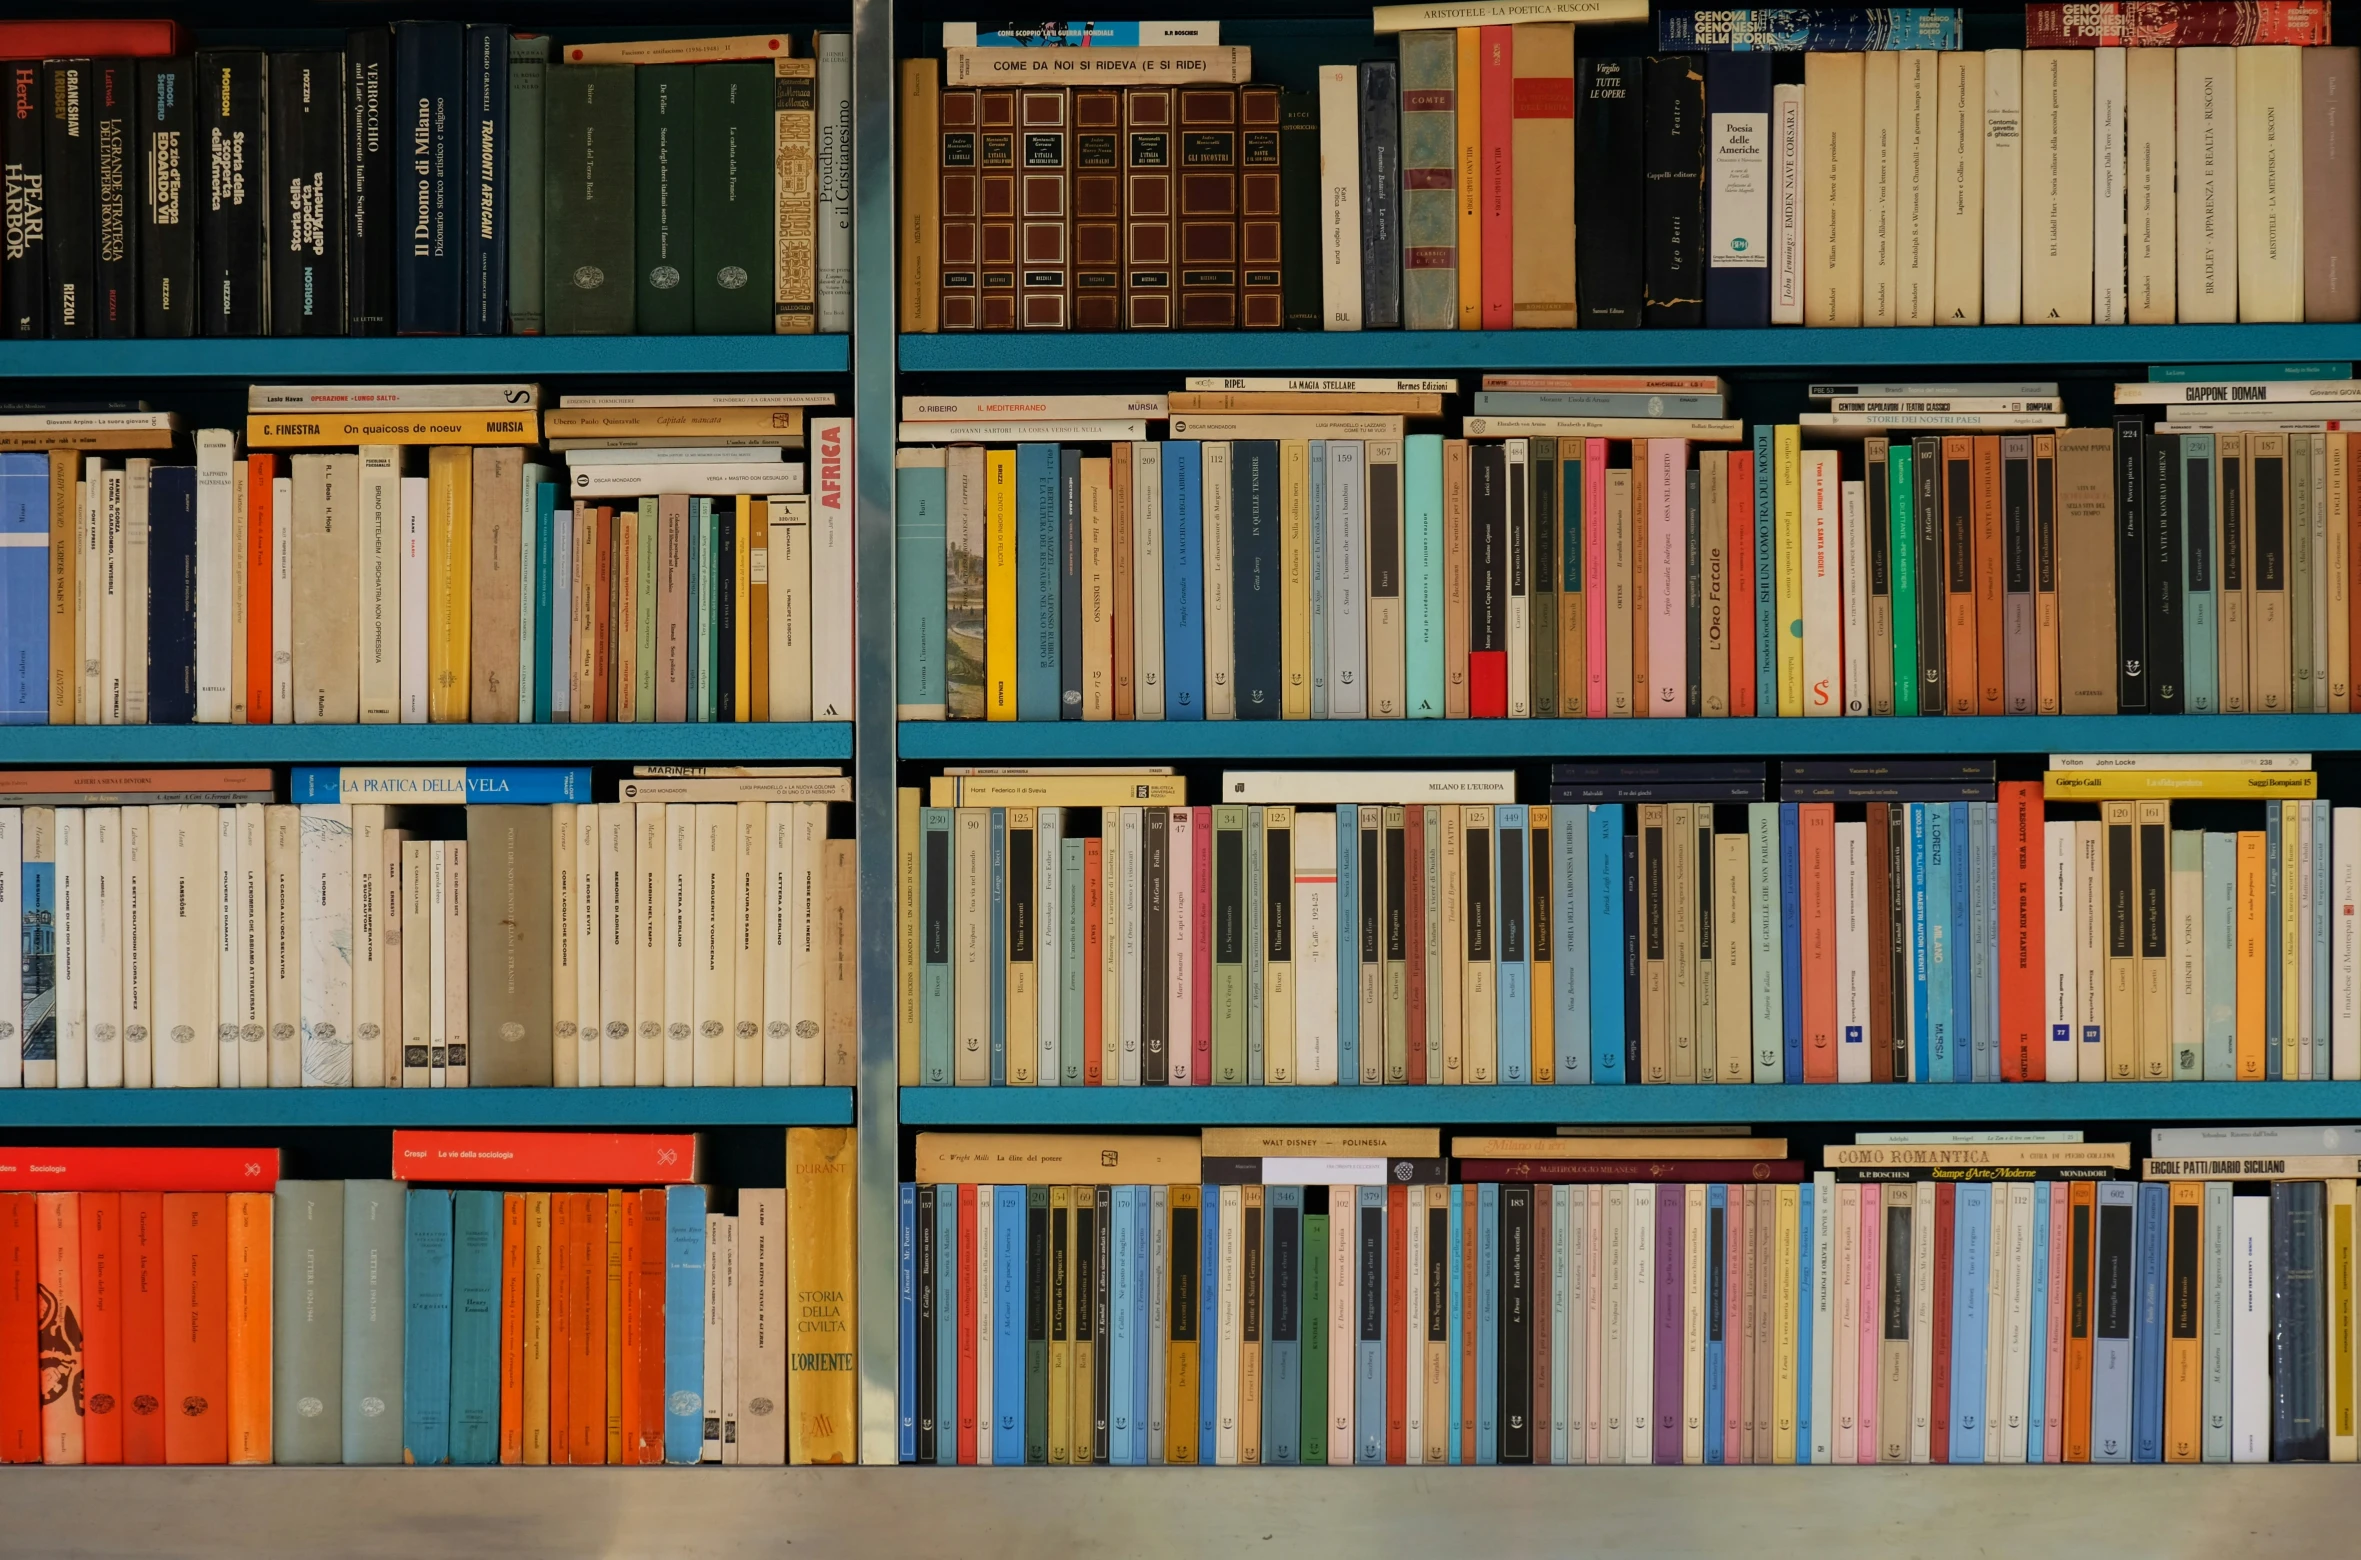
(1895, 1326)
(1738, 266)
(1674, 155)
(1926, 470)
(1631, 957)
(2196, 521)
(1476, 912)
(170, 189)
(231, 94)
(2299, 1356)
(2020, 671)
(1069, 603)
(1255, 579)
(114, 146)
(307, 194)
(1510, 905)
(923, 1260)
(1299, 209)
(1516, 1324)
(368, 182)
(1487, 571)
(484, 250)
(1437, 1276)
(2161, 455)
(1253, 1275)
(71, 184)
(1378, 853)
(1278, 896)
(2113, 1297)
(1155, 1003)
(935, 934)
(24, 262)
(1862, 771)
(430, 90)
(2155, 921)
(725, 613)
(1579, 793)
(1102, 1377)
(1037, 1310)
(172, 596)
(1368, 1283)
(1649, 770)
(1283, 1303)
(2131, 591)
(1843, 791)
(1609, 193)
(1062, 1317)
(1381, 195)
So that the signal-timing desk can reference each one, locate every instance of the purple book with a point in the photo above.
(1671, 1259)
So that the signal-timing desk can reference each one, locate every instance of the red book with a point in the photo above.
(196, 1327)
(564, 1300)
(1397, 1261)
(58, 1296)
(1741, 593)
(20, 1329)
(548, 1158)
(2023, 953)
(1414, 921)
(1201, 953)
(260, 468)
(1093, 952)
(966, 1303)
(102, 1327)
(143, 1327)
(49, 40)
(1815, 858)
(2138, 24)
(24, 1169)
(1495, 182)
(1544, 1275)
(1940, 1417)
(1623, 1172)
(651, 1320)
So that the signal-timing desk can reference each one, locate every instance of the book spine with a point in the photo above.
(69, 221)
(24, 227)
(1261, 200)
(1674, 153)
(587, 210)
(307, 190)
(115, 127)
(1738, 189)
(1207, 203)
(832, 188)
(1609, 186)
(526, 172)
(1430, 211)
(486, 128)
(429, 273)
(733, 233)
(1378, 100)
(168, 301)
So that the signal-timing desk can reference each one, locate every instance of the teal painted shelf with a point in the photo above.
(1410, 741)
(1663, 1104)
(551, 744)
(441, 357)
(77, 1108)
(2059, 346)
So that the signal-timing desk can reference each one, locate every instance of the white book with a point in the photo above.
(1343, 1248)
(1317, 950)
(1854, 580)
(1126, 850)
(2003, 185)
(1593, 1292)
(238, 551)
(455, 910)
(2250, 1329)
(649, 926)
(2059, 985)
(188, 912)
(762, 1325)
(1922, 1321)
(987, 1415)
(713, 944)
(418, 939)
(1340, 198)
(1348, 585)
(71, 891)
(1221, 694)
(1147, 584)
(366, 958)
(12, 909)
(971, 941)
(716, 1270)
(832, 567)
(1050, 953)
(1228, 1277)
(787, 568)
(1366, 787)
(1520, 572)
(1852, 952)
(2107, 187)
(2058, 171)
(282, 600)
(1694, 1292)
(228, 966)
(380, 594)
(115, 593)
(251, 918)
(2206, 208)
(807, 977)
(217, 450)
(1915, 200)
(139, 948)
(566, 949)
(138, 473)
(2345, 1037)
(2090, 953)
(90, 503)
(680, 913)
(613, 904)
(1822, 1191)
(2271, 184)
(1614, 1290)
(1996, 1241)
(1845, 1438)
(782, 919)
(102, 990)
(748, 925)
(438, 965)
(1787, 205)
(1639, 1334)
(1181, 912)
(583, 873)
(412, 601)
(2150, 149)
(2186, 909)
(833, 180)
(1881, 135)
(2017, 1338)
(1823, 599)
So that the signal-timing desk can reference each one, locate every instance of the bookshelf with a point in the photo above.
(363, 358)
(431, 744)
(45, 1109)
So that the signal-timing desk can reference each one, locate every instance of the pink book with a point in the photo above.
(1734, 1365)
(2053, 1412)
(1592, 1364)
(1180, 936)
(1668, 578)
(1872, 1323)
(1594, 570)
(1815, 852)
(1742, 1369)
(1741, 593)
(1200, 952)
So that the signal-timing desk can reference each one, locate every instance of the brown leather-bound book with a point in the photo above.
(921, 214)
(1879, 918)
(2086, 571)
(1260, 305)
(996, 209)
(1207, 139)
(2332, 165)
(1991, 621)
(1455, 579)
(2268, 676)
(2237, 534)
(1958, 496)
(2045, 573)
(962, 204)
(1119, 533)
(1098, 208)
(1147, 208)
(1044, 266)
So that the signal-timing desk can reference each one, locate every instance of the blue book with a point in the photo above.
(1922, 1007)
(936, 1005)
(316, 784)
(1069, 587)
(1717, 1212)
(919, 644)
(2323, 958)
(426, 1330)
(684, 1323)
(1806, 1199)
(1570, 899)
(24, 590)
(1184, 581)
(1971, 1250)
(1369, 1340)
(36, 938)
(1348, 945)
(545, 626)
(376, 1315)
(1282, 1325)
(1723, 34)
(1765, 993)
(1984, 1016)
(1038, 582)
(1488, 1323)
(1008, 1326)
(1942, 1021)
(1766, 545)
(1422, 576)
(1457, 1303)
(1122, 1377)
(561, 624)
(1255, 902)
(1605, 834)
(475, 1327)
(430, 72)
(1512, 908)
(2148, 1326)
(2200, 552)
(2113, 1295)
(1255, 587)
(172, 596)
(1960, 946)
(1316, 481)
(1147, 1347)
(2037, 1385)
(1791, 951)
(997, 1015)
(2273, 1019)
(906, 1397)
(1209, 1327)
(947, 1325)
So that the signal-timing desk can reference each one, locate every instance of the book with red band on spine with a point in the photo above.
(549, 1158)
(138, 1169)
(51, 40)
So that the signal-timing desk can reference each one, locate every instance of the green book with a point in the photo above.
(1229, 945)
(708, 607)
(735, 204)
(644, 690)
(1299, 208)
(1314, 1315)
(667, 133)
(1430, 199)
(528, 68)
(1902, 526)
(587, 201)
(1542, 526)
(1037, 1324)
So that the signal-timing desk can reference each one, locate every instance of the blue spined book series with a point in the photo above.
(426, 1330)
(684, 1329)
(1818, 29)
(451, 784)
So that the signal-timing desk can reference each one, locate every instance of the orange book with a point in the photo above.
(1958, 509)
(246, 1330)
(1815, 862)
(562, 1301)
(512, 1329)
(1093, 957)
(614, 1333)
(630, 1327)
(1991, 625)
(536, 1322)
(586, 1392)
(59, 1274)
(651, 1324)
(2252, 932)
(102, 1327)
(260, 470)
(20, 1356)
(2082, 1269)
(143, 1327)
(2184, 1330)
(196, 1327)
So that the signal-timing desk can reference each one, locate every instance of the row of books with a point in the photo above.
(342, 944)
(1900, 930)
(1720, 1310)
(1487, 178)
(1562, 561)
(232, 192)
(673, 568)
(376, 1322)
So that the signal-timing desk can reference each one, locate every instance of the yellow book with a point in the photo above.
(1278, 965)
(1250, 1309)
(1061, 1324)
(1185, 1234)
(1295, 579)
(1479, 1000)
(1786, 1245)
(906, 976)
(536, 1416)
(334, 430)
(1539, 927)
(1470, 177)
(449, 487)
(1054, 789)
(823, 1368)
(2119, 858)
(1097, 571)
(1089, 1216)
(2341, 1441)
(2291, 928)
(2253, 943)
(1000, 585)
(1787, 517)
(615, 1198)
(1022, 1015)
(2185, 1323)
(65, 593)
(2101, 785)
(740, 565)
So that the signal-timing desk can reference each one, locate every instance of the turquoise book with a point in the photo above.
(1038, 587)
(307, 1333)
(1570, 899)
(1209, 1324)
(1122, 1379)
(1369, 1314)
(935, 935)
(1513, 908)
(375, 1306)
(1983, 1024)
(1072, 1024)
(1348, 945)
(426, 1330)
(1605, 837)
(684, 1323)
(1970, 1290)
(475, 1328)
(545, 628)
(2200, 557)
(1767, 1021)
(1422, 576)
(1184, 581)
(1458, 1307)
(919, 585)
(1487, 1385)
(1901, 519)
(1922, 1007)
(1942, 1027)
